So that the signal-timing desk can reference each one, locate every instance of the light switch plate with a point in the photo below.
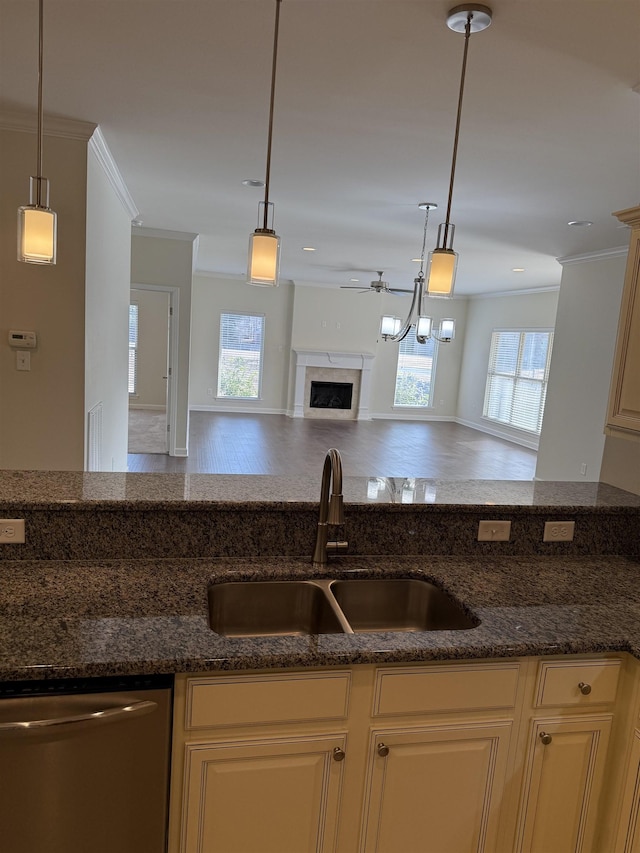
(494, 531)
(12, 531)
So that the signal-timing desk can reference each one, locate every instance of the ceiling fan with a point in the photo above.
(378, 286)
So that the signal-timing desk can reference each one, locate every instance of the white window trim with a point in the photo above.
(237, 313)
(520, 330)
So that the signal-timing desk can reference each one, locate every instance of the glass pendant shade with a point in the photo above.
(442, 272)
(264, 258)
(390, 326)
(447, 330)
(37, 226)
(423, 328)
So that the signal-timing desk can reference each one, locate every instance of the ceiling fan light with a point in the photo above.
(442, 272)
(263, 268)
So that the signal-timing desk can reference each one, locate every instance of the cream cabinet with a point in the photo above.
(501, 756)
(623, 417)
(566, 755)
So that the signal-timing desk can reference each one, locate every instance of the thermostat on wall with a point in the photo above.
(22, 339)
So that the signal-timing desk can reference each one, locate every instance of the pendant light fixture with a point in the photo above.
(264, 243)
(393, 329)
(443, 260)
(37, 223)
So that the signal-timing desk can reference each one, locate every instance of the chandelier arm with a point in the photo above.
(418, 288)
(467, 33)
(271, 105)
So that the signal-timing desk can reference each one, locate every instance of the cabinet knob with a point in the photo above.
(545, 738)
(338, 754)
(584, 688)
(383, 750)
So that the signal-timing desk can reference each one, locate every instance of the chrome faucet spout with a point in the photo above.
(331, 508)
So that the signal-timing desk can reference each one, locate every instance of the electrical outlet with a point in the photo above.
(558, 531)
(12, 530)
(494, 531)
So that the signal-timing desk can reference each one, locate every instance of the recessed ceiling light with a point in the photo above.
(354, 279)
(416, 260)
(252, 182)
(308, 249)
(517, 269)
(580, 223)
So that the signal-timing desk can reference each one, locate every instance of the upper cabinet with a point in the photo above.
(624, 399)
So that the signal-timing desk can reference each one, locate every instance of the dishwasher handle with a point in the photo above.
(91, 718)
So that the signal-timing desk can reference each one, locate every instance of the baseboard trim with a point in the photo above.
(531, 444)
(237, 409)
(180, 451)
(147, 407)
(393, 416)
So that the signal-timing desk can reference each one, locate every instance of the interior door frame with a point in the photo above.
(172, 356)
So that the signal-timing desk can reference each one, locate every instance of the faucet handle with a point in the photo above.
(336, 510)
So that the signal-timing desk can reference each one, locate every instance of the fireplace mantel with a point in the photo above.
(362, 361)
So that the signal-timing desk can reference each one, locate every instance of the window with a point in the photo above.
(517, 378)
(133, 349)
(240, 361)
(415, 371)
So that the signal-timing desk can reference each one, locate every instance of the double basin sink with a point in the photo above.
(332, 606)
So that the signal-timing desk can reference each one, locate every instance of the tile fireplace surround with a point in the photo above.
(333, 367)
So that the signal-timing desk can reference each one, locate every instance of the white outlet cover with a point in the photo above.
(558, 531)
(494, 531)
(12, 531)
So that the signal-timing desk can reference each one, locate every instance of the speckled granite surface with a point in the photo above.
(56, 488)
(150, 616)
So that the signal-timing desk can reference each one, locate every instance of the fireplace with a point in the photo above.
(331, 395)
(333, 369)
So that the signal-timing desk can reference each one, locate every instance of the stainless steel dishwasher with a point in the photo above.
(84, 765)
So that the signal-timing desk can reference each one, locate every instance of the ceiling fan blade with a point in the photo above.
(398, 290)
(353, 287)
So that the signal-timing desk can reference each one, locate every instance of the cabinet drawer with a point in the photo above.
(262, 699)
(582, 682)
(445, 688)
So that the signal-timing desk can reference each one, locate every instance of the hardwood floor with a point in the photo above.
(225, 443)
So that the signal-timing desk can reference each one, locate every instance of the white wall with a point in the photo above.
(527, 310)
(586, 326)
(166, 259)
(153, 330)
(108, 260)
(215, 294)
(42, 411)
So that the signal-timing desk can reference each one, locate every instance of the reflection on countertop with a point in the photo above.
(53, 488)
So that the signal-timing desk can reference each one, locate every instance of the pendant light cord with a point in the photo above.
(40, 123)
(424, 242)
(467, 33)
(271, 103)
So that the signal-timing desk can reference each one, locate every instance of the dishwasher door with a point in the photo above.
(85, 772)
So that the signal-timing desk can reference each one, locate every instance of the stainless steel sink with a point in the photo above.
(399, 604)
(268, 608)
(325, 606)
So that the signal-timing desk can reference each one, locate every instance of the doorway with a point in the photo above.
(150, 333)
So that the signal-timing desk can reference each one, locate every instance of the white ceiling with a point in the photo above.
(365, 113)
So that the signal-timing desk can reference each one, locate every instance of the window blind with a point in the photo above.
(241, 355)
(132, 378)
(414, 372)
(517, 377)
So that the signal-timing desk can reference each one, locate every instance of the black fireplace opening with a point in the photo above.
(331, 395)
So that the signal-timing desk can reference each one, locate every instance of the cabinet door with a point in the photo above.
(277, 795)
(563, 778)
(437, 789)
(629, 833)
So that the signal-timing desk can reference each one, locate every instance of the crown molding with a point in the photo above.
(141, 231)
(600, 255)
(68, 128)
(496, 294)
(98, 145)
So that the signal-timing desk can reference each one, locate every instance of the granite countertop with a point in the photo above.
(90, 618)
(77, 490)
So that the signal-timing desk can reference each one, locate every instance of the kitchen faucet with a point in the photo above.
(331, 509)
